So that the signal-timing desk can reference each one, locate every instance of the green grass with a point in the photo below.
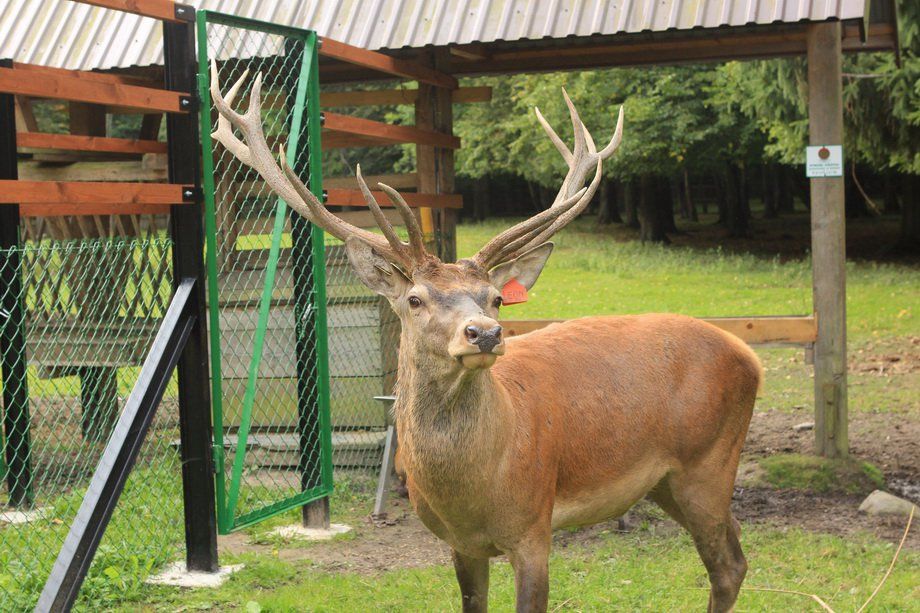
(643, 570)
(795, 471)
(598, 273)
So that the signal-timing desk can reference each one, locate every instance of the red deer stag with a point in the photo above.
(504, 440)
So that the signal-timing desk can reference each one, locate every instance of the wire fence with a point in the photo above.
(91, 311)
(267, 296)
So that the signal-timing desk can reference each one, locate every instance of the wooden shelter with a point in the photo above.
(433, 43)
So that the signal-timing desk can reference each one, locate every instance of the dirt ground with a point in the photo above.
(891, 441)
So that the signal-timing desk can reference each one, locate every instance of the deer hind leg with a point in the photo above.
(473, 577)
(700, 500)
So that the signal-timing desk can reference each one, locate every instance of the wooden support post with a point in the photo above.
(828, 243)
(13, 374)
(435, 165)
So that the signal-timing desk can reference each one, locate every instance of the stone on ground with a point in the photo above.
(883, 503)
(805, 425)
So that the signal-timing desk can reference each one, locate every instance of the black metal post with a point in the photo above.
(314, 514)
(88, 527)
(12, 322)
(187, 233)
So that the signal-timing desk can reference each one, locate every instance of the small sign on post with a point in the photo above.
(824, 161)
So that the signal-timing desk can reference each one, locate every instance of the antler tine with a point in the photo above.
(565, 206)
(488, 255)
(416, 239)
(383, 223)
(256, 153)
(224, 133)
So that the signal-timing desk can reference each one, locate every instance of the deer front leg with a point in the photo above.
(531, 575)
(473, 577)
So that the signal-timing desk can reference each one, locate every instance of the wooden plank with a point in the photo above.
(165, 10)
(68, 142)
(399, 96)
(362, 219)
(387, 133)
(791, 330)
(66, 209)
(76, 89)
(124, 171)
(90, 192)
(89, 75)
(407, 180)
(354, 197)
(384, 63)
(828, 243)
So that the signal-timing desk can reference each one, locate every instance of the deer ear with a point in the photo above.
(375, 271)
(526, 268)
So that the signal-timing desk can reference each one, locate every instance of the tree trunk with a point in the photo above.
(770, 192)
(481, 198)
(910, 213)
(651, 221)
(723, 187)
(534, 191)
(607, 212)
(891, 204)
(854, 203)
(667, 200)
(689, 204)
(736, 210)
(630, 204)
(784, 200)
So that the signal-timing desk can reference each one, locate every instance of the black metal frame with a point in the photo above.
(187, 231)
(12, 323)
(171, 343)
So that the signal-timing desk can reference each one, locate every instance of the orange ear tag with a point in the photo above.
(514, 292)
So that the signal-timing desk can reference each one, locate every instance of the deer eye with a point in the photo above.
(497, 302)
(414, 302)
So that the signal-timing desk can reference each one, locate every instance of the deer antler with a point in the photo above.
(571, 199)
(256, 153)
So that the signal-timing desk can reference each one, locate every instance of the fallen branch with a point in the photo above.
(894, 559)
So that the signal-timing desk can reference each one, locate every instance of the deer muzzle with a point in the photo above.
(478, 343)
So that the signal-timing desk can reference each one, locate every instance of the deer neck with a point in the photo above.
(451, 420)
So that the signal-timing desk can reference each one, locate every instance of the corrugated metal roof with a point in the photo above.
(67, 34)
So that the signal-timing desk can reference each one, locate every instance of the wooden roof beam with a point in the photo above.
(381, 62)
(166, 10)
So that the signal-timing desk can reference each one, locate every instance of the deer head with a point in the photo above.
(448, 311)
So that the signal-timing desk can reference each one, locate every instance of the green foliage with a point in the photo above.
(881, 101)
(812, 473)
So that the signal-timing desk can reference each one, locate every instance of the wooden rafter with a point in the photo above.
(399, 96)
(385, 64)
(366, 131)
(157, 9)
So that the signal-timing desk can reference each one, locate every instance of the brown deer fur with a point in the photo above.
(502, 441)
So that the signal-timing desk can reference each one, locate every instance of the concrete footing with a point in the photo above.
(177, 575)
(311, 534)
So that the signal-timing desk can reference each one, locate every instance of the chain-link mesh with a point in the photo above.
(263, 300)
(78, 319)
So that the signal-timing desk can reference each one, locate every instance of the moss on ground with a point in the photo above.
(823, 475)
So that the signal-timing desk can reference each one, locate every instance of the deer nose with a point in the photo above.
(486, 340)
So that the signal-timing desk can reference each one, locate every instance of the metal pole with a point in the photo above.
(188, 251)
(828, 243)
(12, 322)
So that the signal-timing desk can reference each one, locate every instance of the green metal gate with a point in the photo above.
(266, 286)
